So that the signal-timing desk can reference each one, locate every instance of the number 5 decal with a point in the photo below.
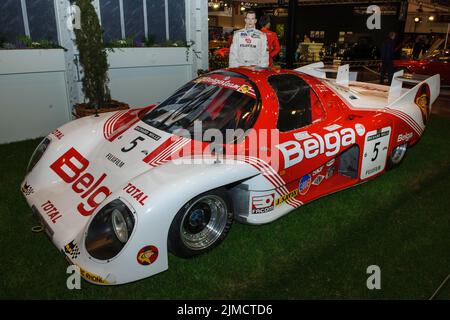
(133, 144)
(375, 152)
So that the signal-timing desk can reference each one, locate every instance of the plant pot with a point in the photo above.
(83, 109)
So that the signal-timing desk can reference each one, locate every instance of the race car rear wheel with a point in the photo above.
(397, 155)
(201, 224)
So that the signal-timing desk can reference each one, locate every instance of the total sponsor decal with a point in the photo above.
(287, 196)
(304, 184)
(404, 137)
(263, 204)
(58, 134)
(72, 249)
(136, 193)
(70, 168)
(92, 277)
(311, 145)
(27, 189)
(147, 255)
(51, 211)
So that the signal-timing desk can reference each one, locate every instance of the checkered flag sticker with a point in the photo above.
(72, 249)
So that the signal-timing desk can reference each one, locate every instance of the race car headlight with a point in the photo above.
(120, 226)
(109, 230)
(38, 153)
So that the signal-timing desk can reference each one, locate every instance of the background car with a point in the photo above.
(437, 63)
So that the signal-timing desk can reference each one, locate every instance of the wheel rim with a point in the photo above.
(398, 153)
(204, 222)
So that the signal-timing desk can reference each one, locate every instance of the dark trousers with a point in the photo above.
(386, 67)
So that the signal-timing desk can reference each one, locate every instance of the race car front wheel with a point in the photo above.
(201, 224)
(397, 155)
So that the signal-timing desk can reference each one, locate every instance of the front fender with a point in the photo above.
(155, 197)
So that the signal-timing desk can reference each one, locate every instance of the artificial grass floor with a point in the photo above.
(399, 221)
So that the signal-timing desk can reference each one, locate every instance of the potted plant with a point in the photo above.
(93, 59)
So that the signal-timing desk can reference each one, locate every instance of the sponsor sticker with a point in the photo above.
(27, 189)
(136, 193)
(304, 184)
(330, 172)
(92, 277)
(287, 196)
(294, 151)
(115, 160)
(51, 211)
(302, 135)
(318, 180)
(58, 134)
(244, 88)
(148, 133)
(404, 137)
(422, 100)
(70, 167)
(147, 255)
(262, 204)
(333, 127)
(317, 171)
(72, 249)
(360, 129)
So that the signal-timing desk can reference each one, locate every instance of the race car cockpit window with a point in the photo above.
(294, 99)
(216, 101)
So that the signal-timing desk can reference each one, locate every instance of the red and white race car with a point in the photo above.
(117, 192)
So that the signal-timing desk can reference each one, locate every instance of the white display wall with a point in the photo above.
(39, 87)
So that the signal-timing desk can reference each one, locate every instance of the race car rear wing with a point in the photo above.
(395, 94)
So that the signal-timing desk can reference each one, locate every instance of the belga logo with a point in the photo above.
(70, 167)
(311, 145)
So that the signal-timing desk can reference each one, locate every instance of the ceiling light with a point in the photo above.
(431, 18)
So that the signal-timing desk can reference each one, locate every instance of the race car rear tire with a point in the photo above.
(201, 224)
(397, 155)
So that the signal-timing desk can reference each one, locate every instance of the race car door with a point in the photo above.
(300, 115)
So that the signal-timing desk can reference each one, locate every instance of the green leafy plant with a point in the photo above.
(92, 56)
(26, 42)
(121, 43)
(149, 41)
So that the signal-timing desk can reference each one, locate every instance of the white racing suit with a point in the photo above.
(249, 48)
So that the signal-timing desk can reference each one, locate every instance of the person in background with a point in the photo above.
(418, 48)
(249, 46)
(387, 55)
(272, 39)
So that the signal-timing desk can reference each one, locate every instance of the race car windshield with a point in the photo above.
(216, 101)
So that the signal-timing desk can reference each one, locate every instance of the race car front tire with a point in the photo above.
(201, 224)
(397, 155)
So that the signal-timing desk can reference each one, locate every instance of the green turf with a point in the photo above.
(399, 221)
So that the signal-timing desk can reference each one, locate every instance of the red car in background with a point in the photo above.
(437, 63)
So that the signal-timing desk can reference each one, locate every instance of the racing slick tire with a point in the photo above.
(201, 224)
(397, 155)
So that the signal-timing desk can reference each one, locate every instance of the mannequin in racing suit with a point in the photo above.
(249, 47)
